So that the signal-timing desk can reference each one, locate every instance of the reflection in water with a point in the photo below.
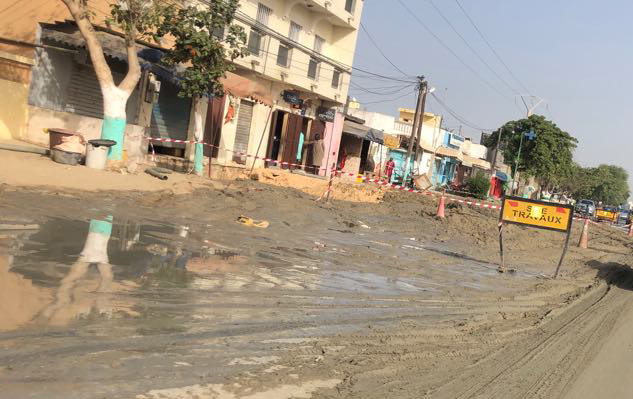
(69, 302)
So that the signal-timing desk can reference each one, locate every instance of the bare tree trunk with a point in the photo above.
(114, 98)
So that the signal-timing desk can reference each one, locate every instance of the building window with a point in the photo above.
(318, 44)
(295, 31)
(255, 42)
(283, 55)
(336, 79)
(349, 6)
(313, 68)
(263, 14)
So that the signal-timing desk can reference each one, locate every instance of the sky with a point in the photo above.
(575, 54)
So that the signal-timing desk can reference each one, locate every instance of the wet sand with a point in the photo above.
(335, 300)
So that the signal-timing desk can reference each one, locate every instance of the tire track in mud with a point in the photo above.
(552, 358)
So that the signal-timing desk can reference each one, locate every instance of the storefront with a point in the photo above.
(354, 149)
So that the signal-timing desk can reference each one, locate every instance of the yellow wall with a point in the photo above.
(14, 109)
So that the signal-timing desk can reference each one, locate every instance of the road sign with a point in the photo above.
(540, 214)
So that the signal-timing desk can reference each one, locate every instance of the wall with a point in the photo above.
(329, 23)
(14, 76)
(260, 126)
(474, 150)
(90, 128)
(332, 144)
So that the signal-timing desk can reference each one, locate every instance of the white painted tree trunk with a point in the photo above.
(198, 135)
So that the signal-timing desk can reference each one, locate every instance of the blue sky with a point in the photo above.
(576, 54)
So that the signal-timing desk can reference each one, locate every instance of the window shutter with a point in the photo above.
(318, 43)
(263, 14)
(295, 31)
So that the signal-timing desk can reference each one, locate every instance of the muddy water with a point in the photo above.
(97, 303)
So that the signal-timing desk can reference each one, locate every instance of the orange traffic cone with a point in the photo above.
(584, 238)
(630, 229)
(440, 208)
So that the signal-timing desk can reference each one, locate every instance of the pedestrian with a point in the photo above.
(389, 167)
(318, 151)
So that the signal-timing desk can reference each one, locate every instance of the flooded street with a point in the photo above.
(105, 299)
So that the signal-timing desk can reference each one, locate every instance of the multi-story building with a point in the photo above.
(301, 54)
(286, 92)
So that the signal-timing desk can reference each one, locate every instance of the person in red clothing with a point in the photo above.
(389, 167)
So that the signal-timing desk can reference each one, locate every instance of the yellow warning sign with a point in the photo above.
(544, 215)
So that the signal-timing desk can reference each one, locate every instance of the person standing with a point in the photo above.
(317, 152)
(389, 167)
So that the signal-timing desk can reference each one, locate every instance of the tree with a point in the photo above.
(549, 157)
(203, 55)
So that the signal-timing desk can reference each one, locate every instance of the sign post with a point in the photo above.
(538, 214)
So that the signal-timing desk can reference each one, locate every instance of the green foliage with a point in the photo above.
(205, 57)
(549, 157)
(606, 183)
(139, 19)
(479, 184)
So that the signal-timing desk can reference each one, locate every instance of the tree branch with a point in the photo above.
(78, 11)
(134, 68)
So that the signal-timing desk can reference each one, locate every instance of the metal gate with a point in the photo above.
(243, 132)
(170, 116)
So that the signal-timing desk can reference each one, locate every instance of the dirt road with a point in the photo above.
(342, 300)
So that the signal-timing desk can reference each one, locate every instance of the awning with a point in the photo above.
(363, 132)
(240, 86)
(449, 152)
(68, 35)
(472, 161)
(501, 176)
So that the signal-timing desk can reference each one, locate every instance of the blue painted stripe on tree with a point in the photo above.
(103, 227)
(114, 129)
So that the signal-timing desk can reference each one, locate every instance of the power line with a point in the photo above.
(389, 100)
(383, 93)
(492, 48)
(440, 41)
(512, 89)
(458, 116)
(371, 39)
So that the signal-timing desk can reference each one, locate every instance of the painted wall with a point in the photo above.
(90, 128)
(14, 110)
(260, 125)
(338, 27)
(474, 150)
(332, 143)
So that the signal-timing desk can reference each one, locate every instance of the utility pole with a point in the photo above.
(417, 126)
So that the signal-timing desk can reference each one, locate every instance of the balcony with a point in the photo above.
(333, 11)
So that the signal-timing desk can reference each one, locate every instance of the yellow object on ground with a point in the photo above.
(245, 220)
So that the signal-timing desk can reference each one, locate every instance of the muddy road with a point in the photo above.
(136, 295)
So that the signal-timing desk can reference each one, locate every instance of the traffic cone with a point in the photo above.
(584, 238)
(440, 208)
(630, 229)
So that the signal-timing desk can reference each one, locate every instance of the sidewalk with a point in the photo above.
(22, 169)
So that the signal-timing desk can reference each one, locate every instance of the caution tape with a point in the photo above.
(243, 154)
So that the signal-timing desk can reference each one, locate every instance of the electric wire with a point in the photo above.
(483, 37)
(371, 39)
(450, 50)
(472, 49)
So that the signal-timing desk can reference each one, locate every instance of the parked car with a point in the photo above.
(607, 214)
(586, 208)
